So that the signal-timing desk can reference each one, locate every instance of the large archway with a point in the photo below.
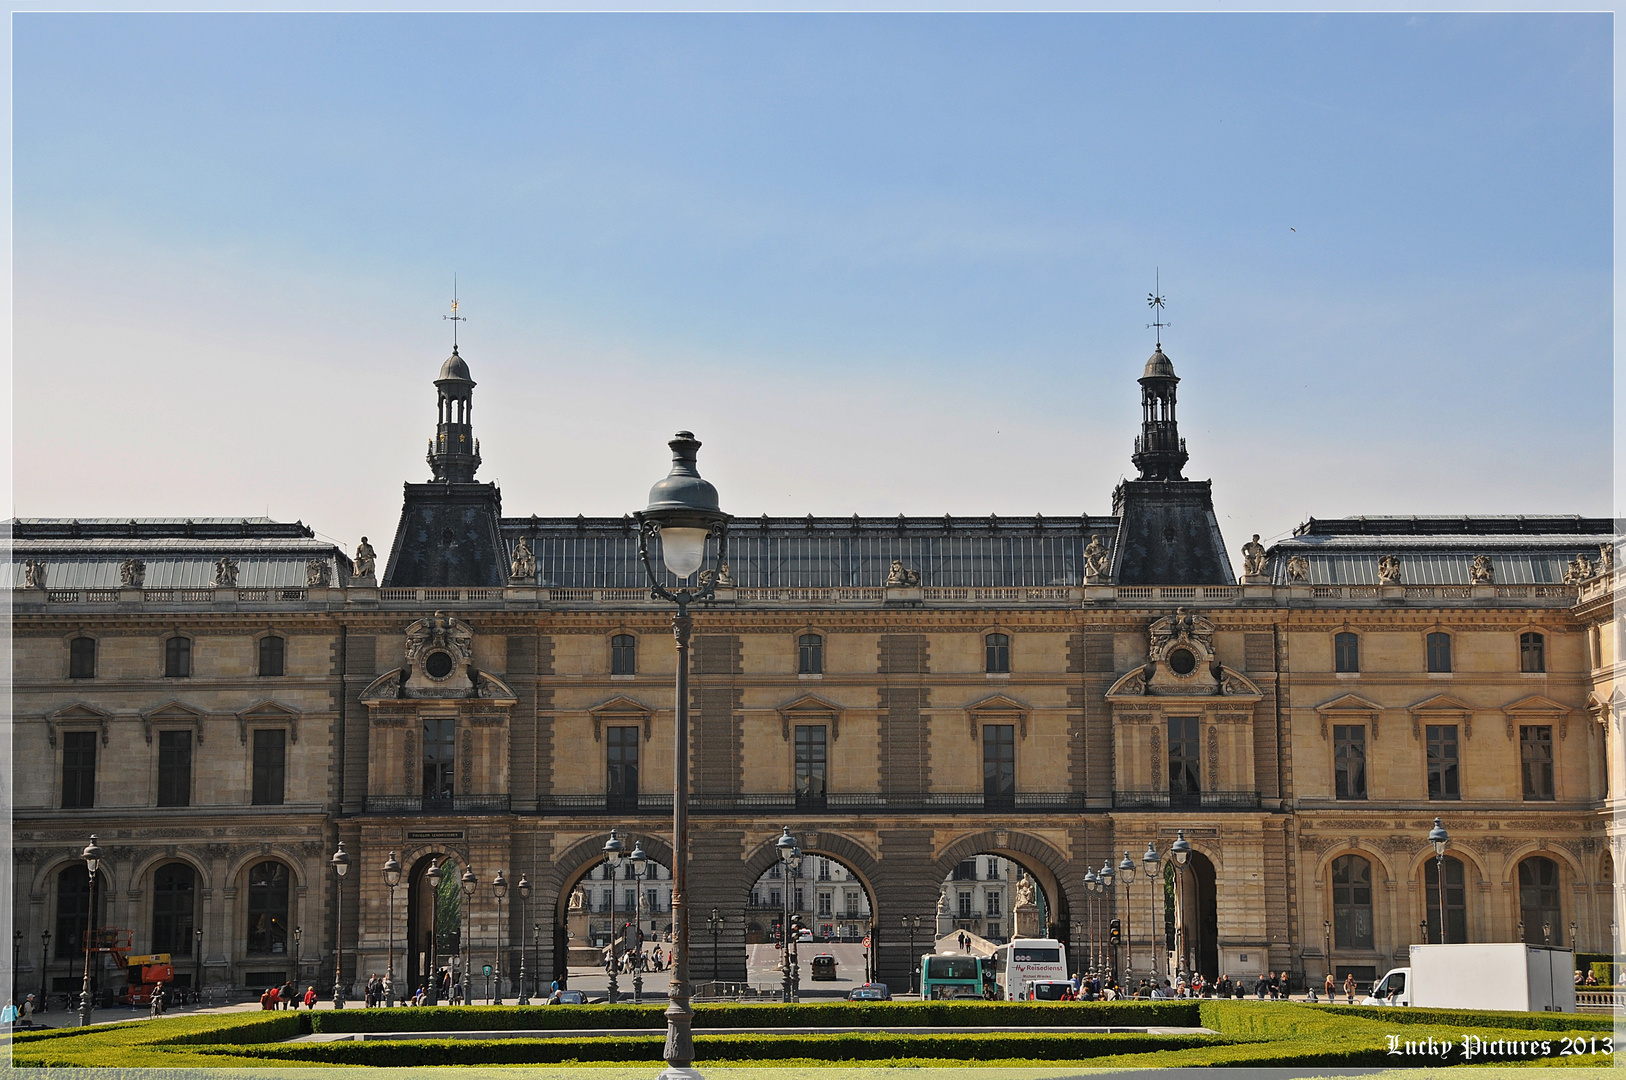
(434, 935)
(593, 908)
(832, 897)
(1192, 933)
(1028, 879)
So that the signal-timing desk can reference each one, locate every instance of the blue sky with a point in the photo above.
(876, 263)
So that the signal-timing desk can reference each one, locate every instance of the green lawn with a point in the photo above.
(1246, 1034)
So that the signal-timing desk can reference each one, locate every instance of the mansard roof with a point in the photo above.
(180, 553)
(1523, 550)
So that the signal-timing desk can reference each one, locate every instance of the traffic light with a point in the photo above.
(1115, 931)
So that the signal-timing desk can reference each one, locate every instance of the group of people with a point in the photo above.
(637, 960)
(11, 1014)
(287, 996)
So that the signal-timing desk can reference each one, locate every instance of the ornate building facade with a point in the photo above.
(223, 701)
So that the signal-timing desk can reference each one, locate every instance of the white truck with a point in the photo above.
(1512, 976)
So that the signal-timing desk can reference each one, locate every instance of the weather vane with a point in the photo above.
(454, 316)
(1154, 300)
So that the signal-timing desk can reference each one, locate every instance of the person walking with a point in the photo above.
(1329, 988)
(290, 995)
(1349, 987)
(28, 1011)
(310, 998)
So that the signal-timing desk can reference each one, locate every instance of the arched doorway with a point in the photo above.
(597, 907)
(434, 923)
(1192, 936)
(831, 903)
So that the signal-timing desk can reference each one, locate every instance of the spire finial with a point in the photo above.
(454, 316)
(1154, 300)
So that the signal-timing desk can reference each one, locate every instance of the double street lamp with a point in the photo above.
(683, 513)
(790, 862)
(93, 864)
(1154, 880)
(341, 866)
(392, 878)
(1126, 874)
(468, 883)
(613, 847)
(433, 876)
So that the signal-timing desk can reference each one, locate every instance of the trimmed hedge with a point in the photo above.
(715, 1016)
(1473, 1019)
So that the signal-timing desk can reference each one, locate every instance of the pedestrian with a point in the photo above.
(290, 995)
(157, 1001)
(1329, 988)
(310, 997)
(1349, 987)
(276, 995)
(8, 1015)
(28, 1011)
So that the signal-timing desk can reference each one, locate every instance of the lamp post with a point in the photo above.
(914, 961)
(432, 877)
(499, 886)
(524, 890)
(1106, 877)
(1078, 947)
(683, 512)
(16, 959)
(341, 866)
(299, 952)
(715, 922)
(1154, 881)
(467, 883)
(392, 878)
(789, 855)
(536, 955)
(1180, 851)
(1126, 874)
(1090, 886)
(1441, 840)
(640, 863)
(613, 847)
(197, 980)
(45, 958)
(1326, 943)
(93, 864)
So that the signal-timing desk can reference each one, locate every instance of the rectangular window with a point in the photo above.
(1346, 653)
(270, 760)
(174, 768)
(178, 658)
(1443, 782)
(1532, 653)
(998, 766)
(439, 757)
(965, 905)
(827, 905)
(1536, 759)
(992, 902)
(272, 649)
(810, 762)
(621, 758)
(852, 905)
(810, 655)
(82, 658)
(999, 654)
(78, 770)
(623, 655)
(1185, 761)
(1349, 761)
(1439, 653)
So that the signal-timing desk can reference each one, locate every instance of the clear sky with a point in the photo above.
(878, 264)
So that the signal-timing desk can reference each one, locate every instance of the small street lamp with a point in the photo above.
(524, 890)
(341, 866)
(1090, 886)
(715, 922)
(1154, 881)
(392, 878)
(613, 847)
(93, 864)
(790, 859)
(640, 863)
(1126, 874)
(16, 959)
(468, 883)
(45, 956)
(197, 941)
(1180, 851)
(499, 886)
(536, 955)
(1078, 946)
(1441, 840)
(1106, 877)
(684, 513)
(432, 876)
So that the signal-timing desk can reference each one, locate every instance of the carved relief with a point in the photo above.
(468, 761)
(225, 572)
(410, 762)
(318, 574)
(1298, 568)
(1096, 561)
(1388, 570)
(33, 574)
(132, 573)
(1213, 749)
(1481, 572)
(900, 576)
(1579, 569)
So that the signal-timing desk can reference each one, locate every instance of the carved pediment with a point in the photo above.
(397, 684)
(1537, 706)
(807, 709)
(622, 711)
(1215, 682)
(1443, 707)
(440, 655)
(172, 713)
(268, 712)
(997, 708)
(1442, 703)
(77, 714)
(1349, 703)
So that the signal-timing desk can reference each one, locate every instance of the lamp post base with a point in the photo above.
(675, 1072)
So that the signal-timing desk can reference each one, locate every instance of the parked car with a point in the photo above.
(870, 992)
(824, 968)
(572, 997)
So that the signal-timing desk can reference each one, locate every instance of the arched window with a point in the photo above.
(1439, 652)
(810, 655)
(1532, 652)
(174, 887)
(623, 655)
(82, 658)
(73, 908)
(1539, 909)
(272, 651)
(1456, 902)
(178, 658)
(1346, 648)
(268, 909)
(1351, 902)
(999, 653)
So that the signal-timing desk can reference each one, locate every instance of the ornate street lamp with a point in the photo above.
(392, 878)
(93, 864)
(613, 847)
(683, 512)
(468, 883)
(715, 922)
(1441, 840)
(341, 866)
(499, 886)
(1106, 877)
(1180, 851)
(1091, 885)
(1126, 874)
(197, 982)
(914, 961)
(640, 863)
(1154, 881)
(524, 890)
(299, 951)
(45, 958)
(432, 876)
(16, 959)
(789, 856)
(1326, 943)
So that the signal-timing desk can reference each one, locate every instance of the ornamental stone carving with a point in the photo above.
(1579, 569)
(1253, 558)
(225, 572)
(901, 577)
(1298, 568)
(522, 568)
(33, 574)
(1096, 558)
(1481, 572)
(366, 561)
(1388, 570)
(132, 573)
(1606, 557)
(318, 574)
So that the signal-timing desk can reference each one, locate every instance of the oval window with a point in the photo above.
(438, 665)
(1182, 661)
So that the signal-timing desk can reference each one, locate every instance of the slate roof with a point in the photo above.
(85, 553)
(1523, 550)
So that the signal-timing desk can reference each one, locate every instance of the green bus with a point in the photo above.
(950, 976)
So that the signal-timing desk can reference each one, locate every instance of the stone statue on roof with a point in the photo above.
(1579, 569)
(1606, 557)
(1298, 568)
(1253, 558)
(318, 574)
(34, 574)
(900, 577)
(1481, 572)
(132, 573)
(366, 562)
(1388, 570)
(1095, 560)
(225, 572)
(523, 565)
